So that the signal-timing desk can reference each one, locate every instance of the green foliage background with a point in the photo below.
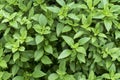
(59, 39)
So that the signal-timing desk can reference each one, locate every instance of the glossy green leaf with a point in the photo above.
(46, 60)
(42, 20)
(65, 54)
(84, 40)
(48, 49)
(52, 76)
(15, 69)
(108, 24)
(68, 40)
(3, 64)
(18, 78)
(81, 50)
(39, 39)
(38, 54)
(61, 2)
(38, 74)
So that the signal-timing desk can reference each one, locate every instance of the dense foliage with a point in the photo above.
(59, 39)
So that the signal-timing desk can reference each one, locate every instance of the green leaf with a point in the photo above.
(65, 53)
(3, 64)
(15, 69)
(117, 75)
(22, 48)
(108, 24)
(81, 58)
(106, 76)
(115, 8)
(91, 75)
(1, 52)
(73, 16)
(46, 60)
(16, 56)
(68, 40)
(6, 76)
(78, 34)
(96, 2)
(112, 68)
(102, 35)
(54, 9)
(48, 49)
(61, 2)
(38, 74)
(66, 29)
(42, 20)
(59, 28)
(39, 39)
(14, 24)
(18, 78)
(108, 63)
(38, 54)
(1, 74)
(89, 3)
(52, 76)
(81, 50)
(84, 40)
(23, 32)
(69, 77)
(117, 34)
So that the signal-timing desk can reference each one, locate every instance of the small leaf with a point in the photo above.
(68, 40)
(54, 9)
(38, 54)
(89, 3)
(102, 35)
(117, 75)
(16, 56)
(61, 2)
(3, 64)
(23, 32)
(48, 48)
(18, 78)
(106, 76)
(1, 74)
(91, 75)
(6, 76)
(22, 48)
(15, 69)
(1, 52)
(81, 58)
(52, 76)
(65, 54)
(108, 24)
(78, 34)
(84, 40)
(73, 16)
(59, 28)
(14, 24)
(38, 74)
(115, 8)
(46, 60)
(42, 20)
(117, 34)
(66, 29)
(81, 50)
(39, 39)
(112, 68)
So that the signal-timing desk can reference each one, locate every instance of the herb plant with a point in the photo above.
(59, 39)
